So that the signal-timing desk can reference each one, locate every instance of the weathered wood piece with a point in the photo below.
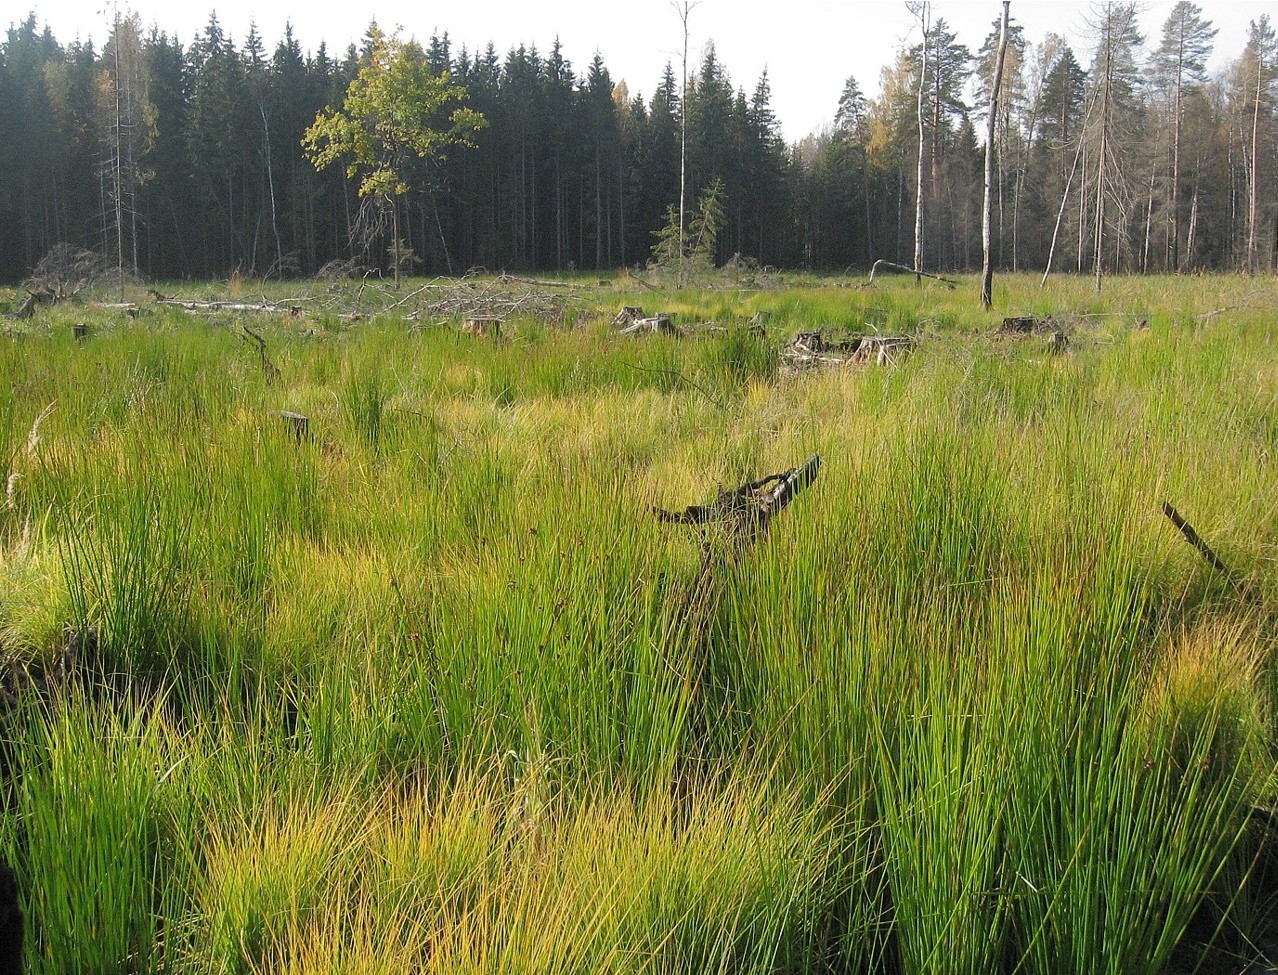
(80, 330)
(1203, 549)
(1020, 325)
(33, 300)
(751, 507)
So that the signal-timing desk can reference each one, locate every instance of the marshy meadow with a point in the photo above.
(338, 638)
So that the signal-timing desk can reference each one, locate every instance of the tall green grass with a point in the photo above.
(433, 690)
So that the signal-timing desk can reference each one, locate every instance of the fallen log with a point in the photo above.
(539, 283)
(264, 306)
(902, 269)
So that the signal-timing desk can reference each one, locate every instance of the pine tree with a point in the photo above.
(1180, 68)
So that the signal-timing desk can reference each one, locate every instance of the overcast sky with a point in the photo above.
(809, 47)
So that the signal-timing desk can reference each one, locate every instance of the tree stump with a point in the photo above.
(628, 316)
(298, 425)
(81, 331)
(656, 325)
(882, 350)
(486, 327)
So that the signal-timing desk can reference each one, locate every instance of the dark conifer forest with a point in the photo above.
(185, 160)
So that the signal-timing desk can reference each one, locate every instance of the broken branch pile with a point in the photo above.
(495, 299)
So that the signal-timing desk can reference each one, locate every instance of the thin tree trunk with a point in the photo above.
(118, 168)
(1149, 220)
(270, 185)
(918, 196)
(1082, 206)
(987, 214)
(1100, 188)
(1255, 182)
(394, 202)
(1188, 257)
(1175, 187)
(683, 134)
(1060, 214)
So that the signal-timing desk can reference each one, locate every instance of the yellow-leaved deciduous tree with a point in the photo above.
(395, 110)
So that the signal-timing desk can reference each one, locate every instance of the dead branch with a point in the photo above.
(749, 509)
(34, 300)
(269, 369)
(1203, 549)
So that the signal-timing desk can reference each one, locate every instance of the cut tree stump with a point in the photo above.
(656, 325)
(810, 350)
(628, 316)
(487, 327)
(80, 330)
(299, 425)
(882, 350)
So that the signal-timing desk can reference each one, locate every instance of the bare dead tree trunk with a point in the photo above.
(1255, 183)
(270, 185)
(1082, 207)
(1060, 214)
(1100, 169)
(394, 202)
(987, 215)
(1149, 221)
(1188, 257)
(922, 11)
(683, 11)
(1178, 109)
